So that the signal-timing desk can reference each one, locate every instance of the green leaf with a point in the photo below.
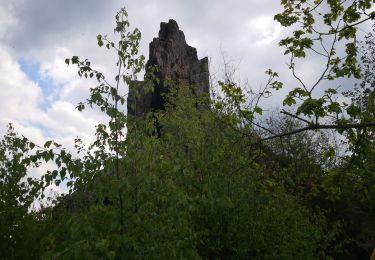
(334, 107)
(75, 59)
(100, 40)
(31, 145)
(258, 110)
(47, 144)
(289, 101)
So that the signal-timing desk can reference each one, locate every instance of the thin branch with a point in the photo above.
(263, 127)
(295, 116)
(316, 6)
(117, 147)
(319, 53)
(328, 63)
(318, 127)
(347, 26)
(322, 44)
(261, 94)
(292, 66)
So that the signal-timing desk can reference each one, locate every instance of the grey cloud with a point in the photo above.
(211, 24)
(41, 23)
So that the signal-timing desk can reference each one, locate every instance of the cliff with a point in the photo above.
(176, 62)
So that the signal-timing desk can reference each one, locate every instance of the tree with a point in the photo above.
(323, 28)
(166, 192)
(194, 191)
(18, 191)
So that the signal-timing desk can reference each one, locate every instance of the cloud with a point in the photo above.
(40, 100)
(20, 103)
(45, 32)
(264, 30)
(47, 23)
(19, 96)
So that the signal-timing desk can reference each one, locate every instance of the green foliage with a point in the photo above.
(18, 191)
(193, 180)
(191, 193)
(321, 28)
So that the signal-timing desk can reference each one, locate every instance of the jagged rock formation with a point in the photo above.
(176, 61)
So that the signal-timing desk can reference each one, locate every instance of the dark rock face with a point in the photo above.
(176, 61)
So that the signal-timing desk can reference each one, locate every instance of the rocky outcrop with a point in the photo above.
(175, 61)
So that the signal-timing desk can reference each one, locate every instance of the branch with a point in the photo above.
(319, 53)
(292, 66)
(317, 127)
(347, 26)
(264, 128)
(328, 62)
(294, 116)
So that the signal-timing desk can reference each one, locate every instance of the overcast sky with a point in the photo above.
(39, 92)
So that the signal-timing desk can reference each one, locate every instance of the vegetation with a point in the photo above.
(205, 179)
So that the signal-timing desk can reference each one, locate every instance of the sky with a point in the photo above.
(39, 92)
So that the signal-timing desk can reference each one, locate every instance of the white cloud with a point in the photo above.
(20, 100)
(19, 96)
(47, 32)
(264, 30)
(63, 120)
(48, 39)
(56, 68)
